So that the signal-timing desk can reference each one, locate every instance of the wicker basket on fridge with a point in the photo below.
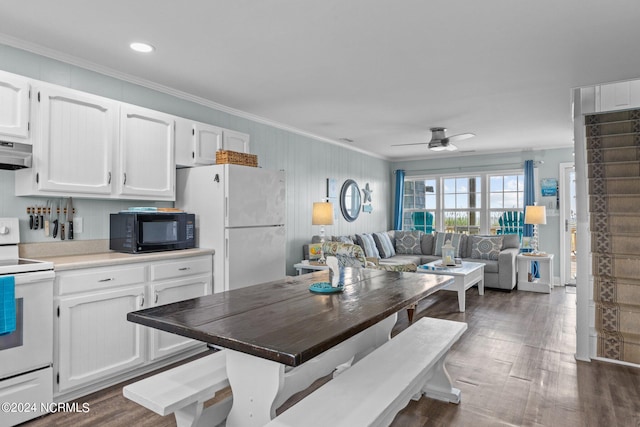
(236, 158)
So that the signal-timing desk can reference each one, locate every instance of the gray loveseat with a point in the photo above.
(497, 253)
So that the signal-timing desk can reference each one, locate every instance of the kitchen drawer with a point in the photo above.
(28, 393)
(181, 268)
(93, 279)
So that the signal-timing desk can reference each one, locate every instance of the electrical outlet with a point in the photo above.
(77, 224)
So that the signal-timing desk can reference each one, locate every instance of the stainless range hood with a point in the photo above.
(14, 155)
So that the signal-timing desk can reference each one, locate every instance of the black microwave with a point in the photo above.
(135, 232)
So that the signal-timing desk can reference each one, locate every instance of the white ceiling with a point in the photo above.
(379, 72)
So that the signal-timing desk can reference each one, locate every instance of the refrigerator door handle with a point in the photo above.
(226, 247)
(226, 209)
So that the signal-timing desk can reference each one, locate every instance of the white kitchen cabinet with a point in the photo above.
(162, 344)
(76, 138)
(172, 281)
(235, 141)
(147, 165)
(94, 147)
(14, 108)
(619, 96)
(95, 340)
(197, 143)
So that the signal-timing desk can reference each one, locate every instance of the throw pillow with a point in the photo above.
(441, 238)
(366, 242)
(343, 239)
(314, 251)
(384, 245)
(486, 247)
(408, 242)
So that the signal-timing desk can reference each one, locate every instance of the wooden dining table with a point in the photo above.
(280, 337)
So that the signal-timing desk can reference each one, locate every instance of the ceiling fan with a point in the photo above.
(439, 141)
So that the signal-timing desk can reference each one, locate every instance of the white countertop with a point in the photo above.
(102, 259)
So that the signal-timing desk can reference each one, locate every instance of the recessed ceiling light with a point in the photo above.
(142, 47)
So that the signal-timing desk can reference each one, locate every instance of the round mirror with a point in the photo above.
(350, 200)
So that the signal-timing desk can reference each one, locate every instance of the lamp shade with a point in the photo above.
(535, 215)
(322, 213)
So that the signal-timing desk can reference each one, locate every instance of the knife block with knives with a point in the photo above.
(56, 217)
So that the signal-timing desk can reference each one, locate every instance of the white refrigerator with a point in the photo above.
(240, 213)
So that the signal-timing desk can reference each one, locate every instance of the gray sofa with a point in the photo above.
(500, 263)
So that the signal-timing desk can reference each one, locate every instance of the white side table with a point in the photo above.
(310, 267)
(545, 269)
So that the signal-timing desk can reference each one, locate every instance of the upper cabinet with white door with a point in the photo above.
(196, 143)
(147, 165)
(618, 96)
(235, 141)
(77, 133)
(14, 108)
(89, 146)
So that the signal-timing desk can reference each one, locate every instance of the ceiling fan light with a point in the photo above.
(435, 147)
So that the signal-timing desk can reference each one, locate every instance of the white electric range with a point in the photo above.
(26, 354)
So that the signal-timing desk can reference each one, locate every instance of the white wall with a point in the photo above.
(308, 162)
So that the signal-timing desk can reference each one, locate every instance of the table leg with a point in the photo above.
(255, 383)
(481, 286)
(410, 311)
(462, 293)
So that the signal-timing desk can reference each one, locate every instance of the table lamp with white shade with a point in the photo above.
(322, 215)
(535, 215)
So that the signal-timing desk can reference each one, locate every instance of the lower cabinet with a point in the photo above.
(93, 339)
(163, 344)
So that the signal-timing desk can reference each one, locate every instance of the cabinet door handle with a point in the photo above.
(184, 268)
(124, 179)
(141, 300)
(106, 280)
(156, 297)
(109, 178)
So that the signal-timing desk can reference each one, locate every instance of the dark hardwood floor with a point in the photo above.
(515, 366)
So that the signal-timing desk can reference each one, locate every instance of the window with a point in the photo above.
(462, 201)
(506, 196)
(469, 204)
(420, 205)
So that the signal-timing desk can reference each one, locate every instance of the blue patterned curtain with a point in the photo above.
(529, 193)
(397, 207)
(530, 200)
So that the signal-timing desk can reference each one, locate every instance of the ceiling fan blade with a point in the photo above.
(414, 143)
(450, 147)
(461, 136)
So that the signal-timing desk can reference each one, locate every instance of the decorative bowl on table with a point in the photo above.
(325, 288)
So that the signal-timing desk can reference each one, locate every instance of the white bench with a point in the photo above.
(375, 389)
(184, 389)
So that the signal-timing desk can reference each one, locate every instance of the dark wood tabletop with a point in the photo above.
(284, 321)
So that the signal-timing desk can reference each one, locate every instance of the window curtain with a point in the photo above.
(529, 193)
(397, 207)
(530, 200)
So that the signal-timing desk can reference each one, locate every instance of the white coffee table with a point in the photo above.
(466, 275)
(309, 267)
